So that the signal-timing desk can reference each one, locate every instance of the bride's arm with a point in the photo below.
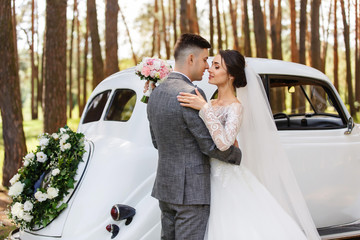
(223, 135)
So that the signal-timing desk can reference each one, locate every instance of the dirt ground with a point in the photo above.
(4, 201)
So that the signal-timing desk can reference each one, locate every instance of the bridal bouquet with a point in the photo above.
(154, 71)
(47, 175)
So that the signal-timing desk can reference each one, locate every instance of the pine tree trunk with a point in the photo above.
(273, 34)
(218, 25)
(246, 29)
(234, 25)
(157, 29)
(357, 55)
(165, 32)
(294, 49)
(348, 60)
(10, 100)
(335, 50)
(315, 36)
(193, 19)
(184, 28)
(71, 61)
(111, 36)
(85, 68)
(259, 29)
(211, 19)
(55, 73)
(97, 61)
(34, 112)
(279, 28)
(128, 33)
(302, 37)
(174, 20)
(78, 54)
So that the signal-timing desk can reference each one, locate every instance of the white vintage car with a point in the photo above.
(112, 196)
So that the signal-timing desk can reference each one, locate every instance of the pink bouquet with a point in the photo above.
(153, 70)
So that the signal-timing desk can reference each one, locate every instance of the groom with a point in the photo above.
(182, 183)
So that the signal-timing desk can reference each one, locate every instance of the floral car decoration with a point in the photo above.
(153, 70)
(47, 175)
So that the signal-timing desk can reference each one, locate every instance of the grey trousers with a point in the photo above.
(183, 222)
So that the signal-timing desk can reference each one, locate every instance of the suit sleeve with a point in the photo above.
(207, 146)
(153, 137)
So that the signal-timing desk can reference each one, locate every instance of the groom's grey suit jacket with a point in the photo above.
(184, 145)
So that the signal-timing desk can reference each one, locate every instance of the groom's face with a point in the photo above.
(200, 64)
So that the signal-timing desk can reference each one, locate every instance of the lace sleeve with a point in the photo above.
(224, 135)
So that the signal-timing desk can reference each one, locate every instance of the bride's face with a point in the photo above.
(218, 74)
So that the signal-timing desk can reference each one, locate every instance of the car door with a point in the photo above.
(312, 123)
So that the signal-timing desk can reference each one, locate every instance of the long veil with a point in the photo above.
(264, 155)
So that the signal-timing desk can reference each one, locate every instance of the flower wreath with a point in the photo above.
(45, 178)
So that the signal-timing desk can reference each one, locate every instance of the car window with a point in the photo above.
(121, 106)
(299, 103)
(96, 107)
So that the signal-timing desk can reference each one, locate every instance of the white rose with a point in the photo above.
(64, 146)
(62, 130)
(40, 196)
(29, 156)
(16, 189)
(41, 157)
(44, 141)
(17, 209)
(52, 192)
(26, 163)
(27, 217)
(65, 137)
(28, 206)
(14, 179)
(55, 136)
(55, 172)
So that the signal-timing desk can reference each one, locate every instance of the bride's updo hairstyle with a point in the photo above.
(235, 64)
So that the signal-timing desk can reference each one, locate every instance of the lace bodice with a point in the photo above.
(223, 123)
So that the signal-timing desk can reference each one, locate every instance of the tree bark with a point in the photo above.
(294, 49)
(357, 55)
(78, 52)
(348, 60)
(234, 25)
(71, 60)
(193, 19)
(85, 68)
(10, 100)
(315, 36)
(211, 19)
(165, 32)
(302, 37)
(246, 29)
(259, 29)
(55, 73)
(218, 25)
(184, 28)
(174, 20)
(97, 61)
(335, 50)
(111, 35)
(34, 111)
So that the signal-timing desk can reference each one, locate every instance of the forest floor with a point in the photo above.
(6, 226)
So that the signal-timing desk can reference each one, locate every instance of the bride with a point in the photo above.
(259, 199)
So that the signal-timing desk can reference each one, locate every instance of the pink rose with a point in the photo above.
(145, 71)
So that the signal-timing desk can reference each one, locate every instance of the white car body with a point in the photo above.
(121, 163)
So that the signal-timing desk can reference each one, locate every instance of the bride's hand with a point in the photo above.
(191, 100)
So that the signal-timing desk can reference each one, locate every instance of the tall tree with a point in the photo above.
(55, 73)
(294, 49)
(71, 60)
(78, 67)
(174, 20)
(184, 27)
(275, 29)
(165, 31)
(325, 34)
(10, 100)
(218, 25)
(234, 24)
(335, 49)
(259, 29)
(302, 34)
(211, 19)
(111, 34)
(357, 53)
(315, 36)
(85, 68)
(192, 17)
(348, 60)
(246, 29)
(34, 79)
(97, 61)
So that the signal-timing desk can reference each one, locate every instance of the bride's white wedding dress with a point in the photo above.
(241, 207)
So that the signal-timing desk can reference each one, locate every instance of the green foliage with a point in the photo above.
(39, 187)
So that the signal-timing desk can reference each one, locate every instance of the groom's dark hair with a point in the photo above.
(188, 41)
